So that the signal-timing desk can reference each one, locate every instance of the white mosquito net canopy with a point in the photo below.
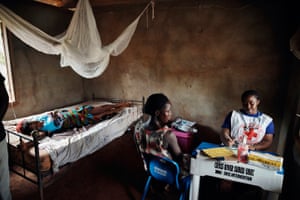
(80, 46)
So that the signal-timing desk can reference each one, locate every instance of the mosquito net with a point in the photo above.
(80, 46)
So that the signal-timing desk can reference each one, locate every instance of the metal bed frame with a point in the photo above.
(25, 169)
(22, 169)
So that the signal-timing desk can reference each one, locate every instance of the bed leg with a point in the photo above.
(35, 135)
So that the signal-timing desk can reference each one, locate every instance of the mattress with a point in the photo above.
(66, 147)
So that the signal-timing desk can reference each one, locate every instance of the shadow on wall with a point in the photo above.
(206, 134)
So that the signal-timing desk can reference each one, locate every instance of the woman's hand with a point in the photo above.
(251, 147)
(230, 141)
(226, 139)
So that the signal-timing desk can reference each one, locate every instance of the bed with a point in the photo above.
(35, 157)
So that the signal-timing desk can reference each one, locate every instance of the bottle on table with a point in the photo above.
(243, 151)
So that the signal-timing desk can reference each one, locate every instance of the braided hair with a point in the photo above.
(249, 93)
(155, 102)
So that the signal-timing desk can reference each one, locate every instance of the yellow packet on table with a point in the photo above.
(218, 152)
(265, 160)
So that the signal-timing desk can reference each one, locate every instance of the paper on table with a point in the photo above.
(218, 152)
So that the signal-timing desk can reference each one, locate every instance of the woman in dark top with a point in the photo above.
(4, 170)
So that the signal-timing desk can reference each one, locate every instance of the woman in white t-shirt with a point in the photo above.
(248, 122)
(258, 129)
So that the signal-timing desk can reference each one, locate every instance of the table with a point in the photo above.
(201, 165)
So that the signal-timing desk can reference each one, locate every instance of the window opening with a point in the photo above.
(5, 66)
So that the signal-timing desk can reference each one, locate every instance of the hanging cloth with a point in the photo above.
(80, 46)
(295, 44)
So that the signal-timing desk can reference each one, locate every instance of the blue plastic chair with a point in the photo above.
(166, 171)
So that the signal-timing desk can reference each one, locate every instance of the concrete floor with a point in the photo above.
(114, 172)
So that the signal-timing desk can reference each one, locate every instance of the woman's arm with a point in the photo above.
(225, 137)
(264, 144)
